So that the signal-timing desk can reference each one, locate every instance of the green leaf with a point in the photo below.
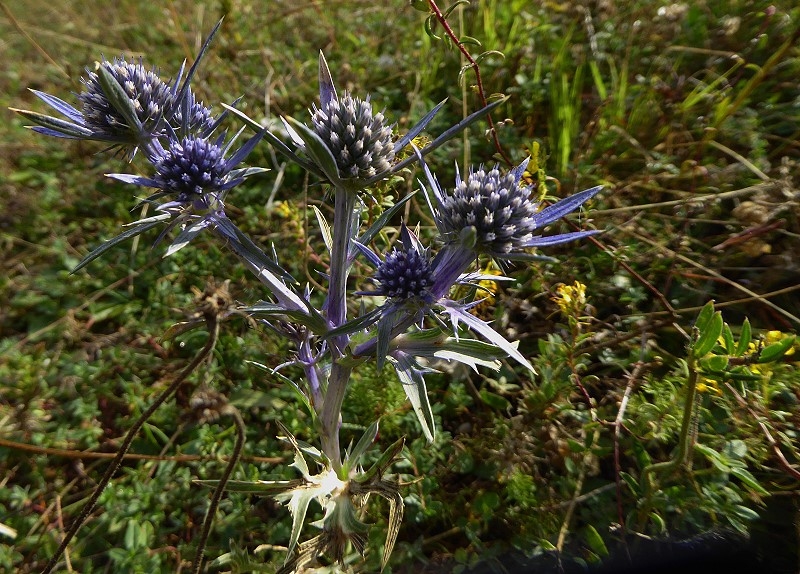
(714, 457)
(708, 335)
(130, 535)
(705, 315)
(744, 512)
(412, 378)
(744, 475)
(57, 124)
(595, 541)
(185, 236)
(469, 41)
(659, 523)
(488, 53)
(631, 482)
(358, 324)
(432, 344)
(304, 400)
(363, 444)
(776, 351)
(745, 336)
(118, 98)
(714, 363)
(383, 462)
(453, 6)
(494, 400)
(324, 228)
(727, 337)
(547, 545)
(317, 150)
(486, 503)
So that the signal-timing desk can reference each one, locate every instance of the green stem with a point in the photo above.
(684, 444)
(336, 302)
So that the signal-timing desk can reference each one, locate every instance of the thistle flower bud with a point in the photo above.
(404, 274)
(496, 206)
(491, 213)
(150, 96)
(191, 167)
(358, 139)
(199, 119)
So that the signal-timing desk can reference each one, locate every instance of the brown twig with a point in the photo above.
(87, 455)
(478, 80)
(770, 439)
(220, 489)
(213, 329)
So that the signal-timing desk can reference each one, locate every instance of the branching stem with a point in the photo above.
(684, 443)
(336, 308)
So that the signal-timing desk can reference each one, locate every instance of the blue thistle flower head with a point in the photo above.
(405, 273)
(191, 167)
(194, 169)
(492, 213)
(150, 98)
(359, 140)
(125, 104)
(192, 117)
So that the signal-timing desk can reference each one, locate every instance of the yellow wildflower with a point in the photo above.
(571, 299)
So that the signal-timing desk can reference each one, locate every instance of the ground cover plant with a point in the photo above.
(653, 412)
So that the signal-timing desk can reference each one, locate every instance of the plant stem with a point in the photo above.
(684, 440)
(478, 79)
(220, 489)
(336, 309)
(213, 331)
(336, 302)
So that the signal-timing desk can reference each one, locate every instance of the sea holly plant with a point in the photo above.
(412, 315)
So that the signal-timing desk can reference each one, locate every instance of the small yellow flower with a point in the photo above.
(571, 299)
(709, 385)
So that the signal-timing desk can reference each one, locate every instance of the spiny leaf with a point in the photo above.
(412, 377)
(124, 236)
(317, 150)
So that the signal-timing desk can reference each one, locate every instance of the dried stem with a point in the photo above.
(213, 330)
(220, 489)
(478, 80)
